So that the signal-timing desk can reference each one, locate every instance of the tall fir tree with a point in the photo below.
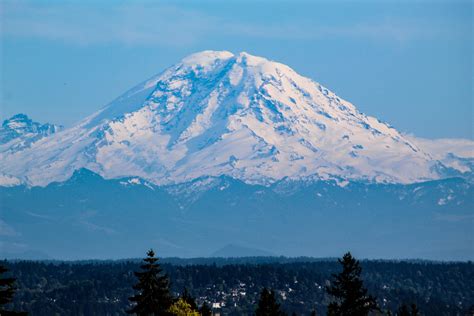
(405, 311)
(186, 296)
(7, 291)
(205, 310)
(414, 310)
(470, 311)
(347, 289)
(153, 297)
(267, 304)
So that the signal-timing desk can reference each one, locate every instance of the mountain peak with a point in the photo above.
(207, 60)
(219, 114)
(206, 57)
(209, 56)
(250, 59)
(17, 121)
(21, 127)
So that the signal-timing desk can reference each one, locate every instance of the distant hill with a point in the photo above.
(236, 251)
(89, 217)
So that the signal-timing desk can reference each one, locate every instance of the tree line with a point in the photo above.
(153, 296)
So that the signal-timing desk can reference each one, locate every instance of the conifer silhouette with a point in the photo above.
(267, 304)
(205, 310)
(405, 311)
(7, 291)
(186, 296)
(350, 295)
(153, 297)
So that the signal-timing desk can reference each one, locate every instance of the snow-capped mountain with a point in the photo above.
(19, 132)
(219, 114)
(226, 149)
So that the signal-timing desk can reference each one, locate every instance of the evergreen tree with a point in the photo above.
(350, 295)
(7, 290)
(405, 311)
(153, 297)
(414, 310)
(470, 312)
(189, 299)
(267, 305)
(205, 310)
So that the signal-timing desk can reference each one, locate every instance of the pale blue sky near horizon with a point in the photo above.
(405, 62)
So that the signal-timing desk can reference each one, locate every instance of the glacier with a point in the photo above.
(215, 114)
(19, 132)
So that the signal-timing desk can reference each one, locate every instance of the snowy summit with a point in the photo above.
(20, 131)
(216, 113)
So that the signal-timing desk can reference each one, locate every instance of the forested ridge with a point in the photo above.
(233, 286)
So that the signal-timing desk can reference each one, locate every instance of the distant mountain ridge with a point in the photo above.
(91, 217)
(216, 113)
(19, 131)
(237, 251)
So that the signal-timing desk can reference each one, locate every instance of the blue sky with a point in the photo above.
(406, 62)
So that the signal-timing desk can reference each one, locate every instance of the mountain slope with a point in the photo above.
(19, 132)
(242, 116)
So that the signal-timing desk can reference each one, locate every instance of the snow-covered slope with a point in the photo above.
(19, 132)
(216, 113)
(456, 154)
